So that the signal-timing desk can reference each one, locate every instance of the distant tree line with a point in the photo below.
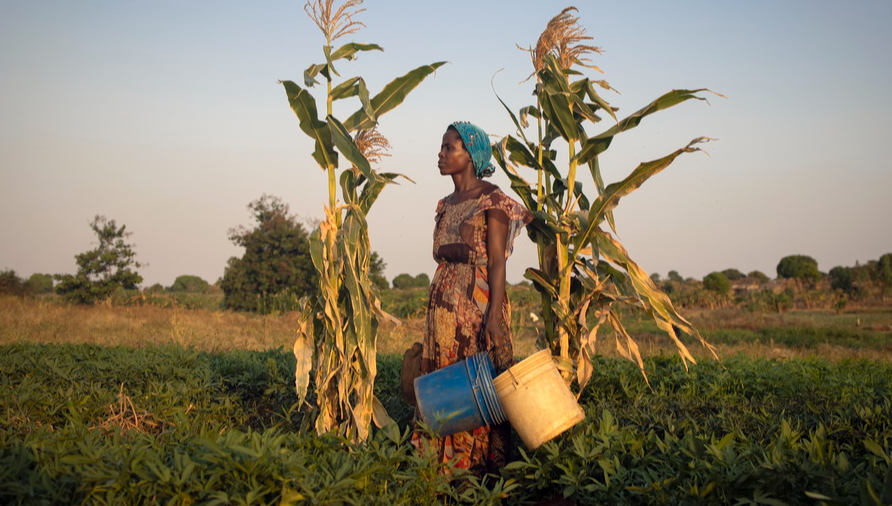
(276, 269)
(799, 283)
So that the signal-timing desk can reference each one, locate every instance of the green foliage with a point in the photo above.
(758, 276)
(376, 271)
(154, 289)
(104, 270)
(407, 281)
(884, 271)
(842, 279)
(405, 302)
(40, 284)
(276, 268)
(84, 424)
(336, 342)
(800, 267)
(189, 284)
(733, 274)
(583, 270)
(717, 282)
(675, 276)
(12, 284)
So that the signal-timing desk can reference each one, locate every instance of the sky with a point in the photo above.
(167, 117)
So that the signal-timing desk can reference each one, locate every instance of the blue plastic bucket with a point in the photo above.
(459, 397)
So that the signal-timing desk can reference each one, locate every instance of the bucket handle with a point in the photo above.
(514, 379)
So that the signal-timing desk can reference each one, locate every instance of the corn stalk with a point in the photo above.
(584, 274)
(337, 334)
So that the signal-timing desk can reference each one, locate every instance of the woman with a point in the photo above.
(468, 309)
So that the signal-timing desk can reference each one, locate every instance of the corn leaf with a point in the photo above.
(303, 353)
(350, 49)
(393, 94)
(608, 200)
(347, 147)
(304, 106)
(593, 146)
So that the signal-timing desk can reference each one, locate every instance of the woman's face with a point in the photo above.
(453, 158)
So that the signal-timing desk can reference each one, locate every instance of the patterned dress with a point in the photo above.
(458, 303)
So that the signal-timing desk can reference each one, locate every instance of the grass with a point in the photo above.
(862, 333)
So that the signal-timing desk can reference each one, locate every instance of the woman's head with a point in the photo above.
(476, 143)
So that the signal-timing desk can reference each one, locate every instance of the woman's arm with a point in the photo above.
(496, 242)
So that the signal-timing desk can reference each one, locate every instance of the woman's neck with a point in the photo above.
(466, 189)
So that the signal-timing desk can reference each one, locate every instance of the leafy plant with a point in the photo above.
(102, 271)
(275, 270)
(583, 269)
(338, 329)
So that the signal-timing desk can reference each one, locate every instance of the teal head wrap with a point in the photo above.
(477, 143)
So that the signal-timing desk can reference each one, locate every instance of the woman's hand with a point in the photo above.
(493, 331)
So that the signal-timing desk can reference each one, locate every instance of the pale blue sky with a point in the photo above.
(166, 116)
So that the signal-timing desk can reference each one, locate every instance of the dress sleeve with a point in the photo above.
(518, 215)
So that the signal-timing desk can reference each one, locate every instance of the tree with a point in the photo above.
(376, 271)
(104, 270)
(759, 276)
(40, 283)
(675, 276)
(406, 281)
(276, 264)
(11, 284)
(733, 274)
(799, 267)
(422, 280)
(717, 282)
(842, 279)
(884, 271)
(191, 284)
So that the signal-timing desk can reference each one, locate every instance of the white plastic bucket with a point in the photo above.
(536, 400)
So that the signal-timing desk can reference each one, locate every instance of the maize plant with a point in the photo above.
(338, 326)
(584, 273)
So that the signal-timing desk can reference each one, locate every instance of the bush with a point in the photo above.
(733, 274)
(405, 303)
(801, 267)
(11, 284)
(758, 276)
(717, 282)
(189, 284)
(405, 281)
(40, 284)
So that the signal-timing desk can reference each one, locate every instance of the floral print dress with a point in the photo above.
(458, 303)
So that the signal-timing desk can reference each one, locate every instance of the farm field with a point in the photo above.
(150, 405)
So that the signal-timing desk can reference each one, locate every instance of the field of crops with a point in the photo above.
(168, 421)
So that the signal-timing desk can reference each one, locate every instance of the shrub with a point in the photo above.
(405, 281)
(40, 284)
(801, 267)
(191, 284)
(717, 282)
(11, 284)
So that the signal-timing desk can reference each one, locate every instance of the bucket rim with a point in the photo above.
(486, 368)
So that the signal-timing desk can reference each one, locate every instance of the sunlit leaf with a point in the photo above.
(350, 49)
(304, 106)
(393, 94)
(595, 145)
